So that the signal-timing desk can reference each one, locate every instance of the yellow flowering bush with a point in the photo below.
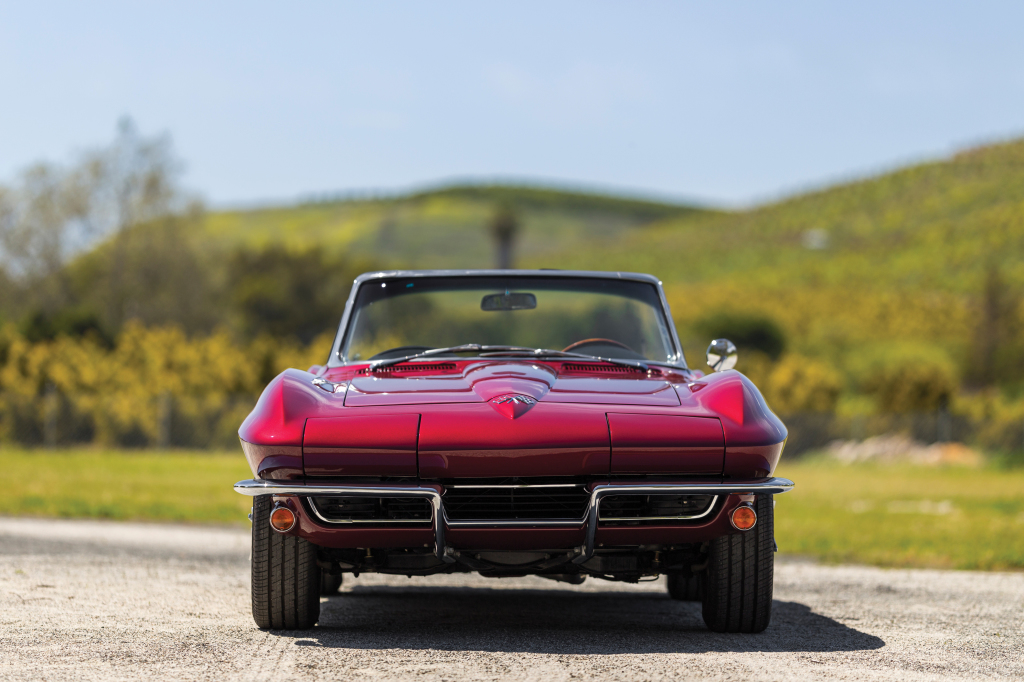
(802, 384)
(155, 386)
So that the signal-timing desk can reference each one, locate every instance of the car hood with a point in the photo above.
(484, 381)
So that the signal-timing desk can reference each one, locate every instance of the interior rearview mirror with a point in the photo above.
(509, 301)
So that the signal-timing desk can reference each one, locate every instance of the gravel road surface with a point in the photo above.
(89, 600)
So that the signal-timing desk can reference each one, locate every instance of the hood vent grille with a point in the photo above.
(603, 369)
(417, 367)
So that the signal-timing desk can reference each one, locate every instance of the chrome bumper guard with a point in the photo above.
(768, 486)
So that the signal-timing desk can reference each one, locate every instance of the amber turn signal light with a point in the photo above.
(743, 517)
(282, 519)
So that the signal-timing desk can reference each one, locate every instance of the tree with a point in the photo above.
(995, 356)
(42, 221)
(504, 230)
(289, 294)
(126, 192)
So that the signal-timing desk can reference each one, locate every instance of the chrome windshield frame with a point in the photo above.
(336, 358)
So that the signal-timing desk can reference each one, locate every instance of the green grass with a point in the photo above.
(903, 515)
(192, 487)
(946, 517)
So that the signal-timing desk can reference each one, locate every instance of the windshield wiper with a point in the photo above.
(495, 351)
(547, 352)
(464, 348)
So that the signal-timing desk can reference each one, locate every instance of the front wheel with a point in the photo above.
(739, 580)
(285, 575)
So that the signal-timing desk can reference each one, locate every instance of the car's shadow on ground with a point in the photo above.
(556, 622)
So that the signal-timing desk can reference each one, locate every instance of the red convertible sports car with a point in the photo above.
(509, 423)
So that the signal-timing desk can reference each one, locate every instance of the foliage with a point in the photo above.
(75, 322)
(1000, 424)
(802, 384)
(915, 255)
(154, 386)
(907, 378)
(748, 332)
(998, 349)
(907, 257)
(637, 210)
(290, 294)
(919, 263)
(150, 273)
(445, 228)
(54, 212)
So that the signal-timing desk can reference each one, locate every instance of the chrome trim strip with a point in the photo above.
(714, 501)
(770, 486)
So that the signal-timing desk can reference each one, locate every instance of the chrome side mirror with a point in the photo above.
(722, 355)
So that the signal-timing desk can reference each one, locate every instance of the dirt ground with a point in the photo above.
(91, 600)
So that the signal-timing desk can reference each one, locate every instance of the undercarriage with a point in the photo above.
(625, 564)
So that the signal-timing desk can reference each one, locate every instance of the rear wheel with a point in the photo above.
(684, 587)
(739, 580)
(285, 575)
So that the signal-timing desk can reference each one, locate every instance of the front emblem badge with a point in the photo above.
(512, 405)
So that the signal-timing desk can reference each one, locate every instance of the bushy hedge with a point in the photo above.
(155, 386)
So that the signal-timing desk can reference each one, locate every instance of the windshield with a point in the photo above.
(602, 317)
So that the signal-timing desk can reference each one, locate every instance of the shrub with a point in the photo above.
(905, 378)
(155, 386)
(748, 332)
(913, 387)
(802, 384)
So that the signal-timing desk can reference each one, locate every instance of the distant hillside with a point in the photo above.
(447, 227)
(926, 262)
(903, 257)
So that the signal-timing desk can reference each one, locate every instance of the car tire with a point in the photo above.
(684, 587)
(329, 584)
(739, 580)
(285, 575)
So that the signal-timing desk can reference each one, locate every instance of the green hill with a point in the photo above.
(863, 303)
(444, 228)
(919, 269)
(903, 257)
(850, 270)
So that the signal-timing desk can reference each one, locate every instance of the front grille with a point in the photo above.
(513, 500)
(653, 507)
(372, 509)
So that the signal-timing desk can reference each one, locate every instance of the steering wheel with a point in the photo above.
(596, 341)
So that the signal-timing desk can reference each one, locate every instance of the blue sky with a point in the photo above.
(728, 103)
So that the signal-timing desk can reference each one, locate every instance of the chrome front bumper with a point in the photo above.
(440, 520)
